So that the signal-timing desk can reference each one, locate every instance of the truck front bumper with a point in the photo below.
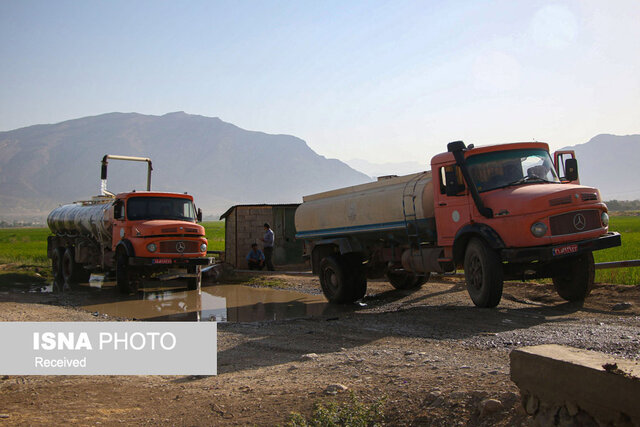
(170, 262)
(558, 252)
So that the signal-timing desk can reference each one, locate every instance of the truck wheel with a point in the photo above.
(483, 274)
(56, 266)
(68, 266)
(406, 280)
(577, 281)
(73, 272)
(124, 277)
(334, 281)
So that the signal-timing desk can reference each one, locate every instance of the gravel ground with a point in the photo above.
(432, 356)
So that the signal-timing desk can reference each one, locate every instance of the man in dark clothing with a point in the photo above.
(268, 246)
(255, 258)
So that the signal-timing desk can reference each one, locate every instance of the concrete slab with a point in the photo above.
(603, 386)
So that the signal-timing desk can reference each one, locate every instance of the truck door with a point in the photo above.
(451, 203)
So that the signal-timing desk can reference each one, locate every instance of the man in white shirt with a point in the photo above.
(268, 246)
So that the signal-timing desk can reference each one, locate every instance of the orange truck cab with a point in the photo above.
(503, 212)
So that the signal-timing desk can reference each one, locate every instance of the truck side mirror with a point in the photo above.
(199, 215)
(571, 169)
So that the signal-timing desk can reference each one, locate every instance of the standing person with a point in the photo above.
(268, 246)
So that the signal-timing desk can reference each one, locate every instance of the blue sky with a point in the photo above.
(378, 80)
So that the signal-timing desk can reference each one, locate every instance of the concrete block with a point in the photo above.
(603, 386)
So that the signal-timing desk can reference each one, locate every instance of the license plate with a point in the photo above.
(161, 261)
(564, 250)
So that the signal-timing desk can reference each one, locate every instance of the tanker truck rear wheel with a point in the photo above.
(577, 281)
(406, 280)
(483, 274)
(56, 266)
(73, 272)
(337, 283)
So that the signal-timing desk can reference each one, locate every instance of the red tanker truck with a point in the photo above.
(139, 235)
(501, 212)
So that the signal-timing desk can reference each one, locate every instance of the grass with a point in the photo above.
(629, 228)
(214, 230)
(351, 413)
(24, 246)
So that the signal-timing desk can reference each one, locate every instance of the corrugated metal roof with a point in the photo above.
(258, 205)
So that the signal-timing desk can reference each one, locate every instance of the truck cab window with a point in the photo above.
(451, 181)
(501, 169)
(147, 208)
(118, 210)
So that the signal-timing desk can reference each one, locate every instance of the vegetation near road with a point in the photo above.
(629, 228)
(26, 249)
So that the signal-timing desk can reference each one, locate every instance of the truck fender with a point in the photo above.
(341, 245)
(486, 233)
(127, 247)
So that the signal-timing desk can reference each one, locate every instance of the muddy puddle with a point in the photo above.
(167, 302)
(221, 303)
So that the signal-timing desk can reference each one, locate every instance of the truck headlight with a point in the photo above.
(539, 229)
(203, 247)
(605, 219)
(151, 247)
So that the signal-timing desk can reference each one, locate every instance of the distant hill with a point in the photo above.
(221, 164)
(612, 164)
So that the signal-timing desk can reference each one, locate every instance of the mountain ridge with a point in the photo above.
(218, 162)
(221, 164)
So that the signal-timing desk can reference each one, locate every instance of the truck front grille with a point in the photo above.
(574, 222)
(179, 247)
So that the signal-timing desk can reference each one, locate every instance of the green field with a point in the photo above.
(27, 247)
(214, 231)
(629, 228)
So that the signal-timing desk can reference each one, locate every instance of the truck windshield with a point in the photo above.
(513, 167)
(160, 208)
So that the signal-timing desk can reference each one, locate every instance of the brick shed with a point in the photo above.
(244, 226)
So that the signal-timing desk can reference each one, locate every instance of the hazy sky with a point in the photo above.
(382, 81)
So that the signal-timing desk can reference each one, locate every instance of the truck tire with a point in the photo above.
(72, 272)
(335, 282)
(406, 280)
(56, 266)
(124, 278)
(483, 274)
(577, 281)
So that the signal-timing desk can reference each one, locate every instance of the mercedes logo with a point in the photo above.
(579, 222)
(180, 245)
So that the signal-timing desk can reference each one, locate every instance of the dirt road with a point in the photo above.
(430, 354)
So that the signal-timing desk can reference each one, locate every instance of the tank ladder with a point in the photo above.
(411, 224)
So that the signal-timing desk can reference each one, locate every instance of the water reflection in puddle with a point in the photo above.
(222, 303)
